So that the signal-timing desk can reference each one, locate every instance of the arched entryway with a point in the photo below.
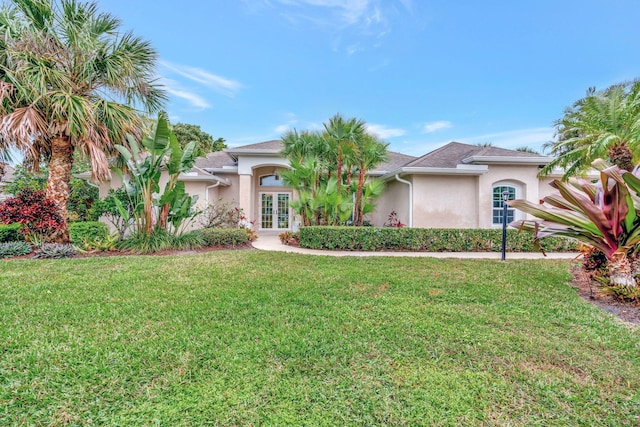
(274, 212)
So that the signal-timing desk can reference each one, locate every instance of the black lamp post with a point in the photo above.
(505, 197)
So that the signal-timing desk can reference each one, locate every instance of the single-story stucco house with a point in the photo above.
(455, 186)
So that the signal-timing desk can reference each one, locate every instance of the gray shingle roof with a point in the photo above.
(395, 161)
(215, 160)
(453, 154)
(275, 144)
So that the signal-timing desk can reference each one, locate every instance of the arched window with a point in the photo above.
(271, 181)
(498, 203)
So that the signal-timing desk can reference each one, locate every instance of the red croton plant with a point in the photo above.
(37, 214)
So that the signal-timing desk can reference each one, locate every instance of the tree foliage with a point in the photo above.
(82, 195)
(205, 143)
(70, 80)
(154, 209)
(323, 167)
(604, 124)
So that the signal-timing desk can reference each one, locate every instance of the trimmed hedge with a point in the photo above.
(426, 240)
(87, 230)
(224, 236)
(11, 232)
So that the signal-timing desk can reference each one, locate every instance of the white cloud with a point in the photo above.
(219, 84)
(282, 129)
(173, 88)
(349, 11)
(384, 132)
(436, 126)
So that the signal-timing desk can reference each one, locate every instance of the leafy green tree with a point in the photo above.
(342, 136)
(604, 124)
(153, 209)
(370, 153)
(322, 166)
(82, 195)
(70, 80)
(23, 179)
(204, 142)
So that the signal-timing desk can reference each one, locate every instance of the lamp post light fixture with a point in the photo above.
(505, 198)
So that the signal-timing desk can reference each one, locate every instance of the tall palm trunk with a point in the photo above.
(359, 215)
(59, 178)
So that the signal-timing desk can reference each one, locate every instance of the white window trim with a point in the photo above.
(270, 186)
(517, 215)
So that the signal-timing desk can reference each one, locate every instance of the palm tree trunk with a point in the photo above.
(359, 215)
(58, 182)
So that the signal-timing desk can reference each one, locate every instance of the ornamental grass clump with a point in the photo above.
(55, 251)
(11, 249)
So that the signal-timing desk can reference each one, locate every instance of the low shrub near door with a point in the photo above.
(224, 236)
(87, 231)
(10, 232)
(426, 239)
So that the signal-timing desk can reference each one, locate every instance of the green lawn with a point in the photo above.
(255, 338)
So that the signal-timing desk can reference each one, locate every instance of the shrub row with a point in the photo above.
(78, 231)
(426, 239)
(89, 231)
(11, 232)
(224, 236)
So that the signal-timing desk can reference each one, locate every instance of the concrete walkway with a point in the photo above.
(271, 242)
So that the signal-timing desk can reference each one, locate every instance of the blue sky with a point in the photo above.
(421, 73)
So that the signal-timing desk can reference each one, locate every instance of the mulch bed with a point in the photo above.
(626, 311)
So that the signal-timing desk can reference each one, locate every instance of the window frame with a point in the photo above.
(496, 211)
(276, 177)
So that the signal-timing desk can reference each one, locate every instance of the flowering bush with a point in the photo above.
(37, 214)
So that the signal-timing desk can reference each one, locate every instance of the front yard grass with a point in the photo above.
(258, 338)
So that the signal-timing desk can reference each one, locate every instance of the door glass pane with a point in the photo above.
(283, 210)
(266, 211)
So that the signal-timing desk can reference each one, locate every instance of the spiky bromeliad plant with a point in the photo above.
(603, 215)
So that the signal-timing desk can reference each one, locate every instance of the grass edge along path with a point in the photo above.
(257, 338)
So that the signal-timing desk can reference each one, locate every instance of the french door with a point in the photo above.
(274, 211)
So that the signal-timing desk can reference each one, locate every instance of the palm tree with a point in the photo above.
(342, 136)
(69, 79)
(604, 124)
(371, 152)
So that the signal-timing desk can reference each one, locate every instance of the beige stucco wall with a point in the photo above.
(458, 201)
(394, 198)
(545, 188)
(445, 201)
(524, 178)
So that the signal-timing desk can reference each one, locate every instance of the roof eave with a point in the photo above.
(459, 170)
(255, 152)
(204, 178)
(505, 160)
(224, 169)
